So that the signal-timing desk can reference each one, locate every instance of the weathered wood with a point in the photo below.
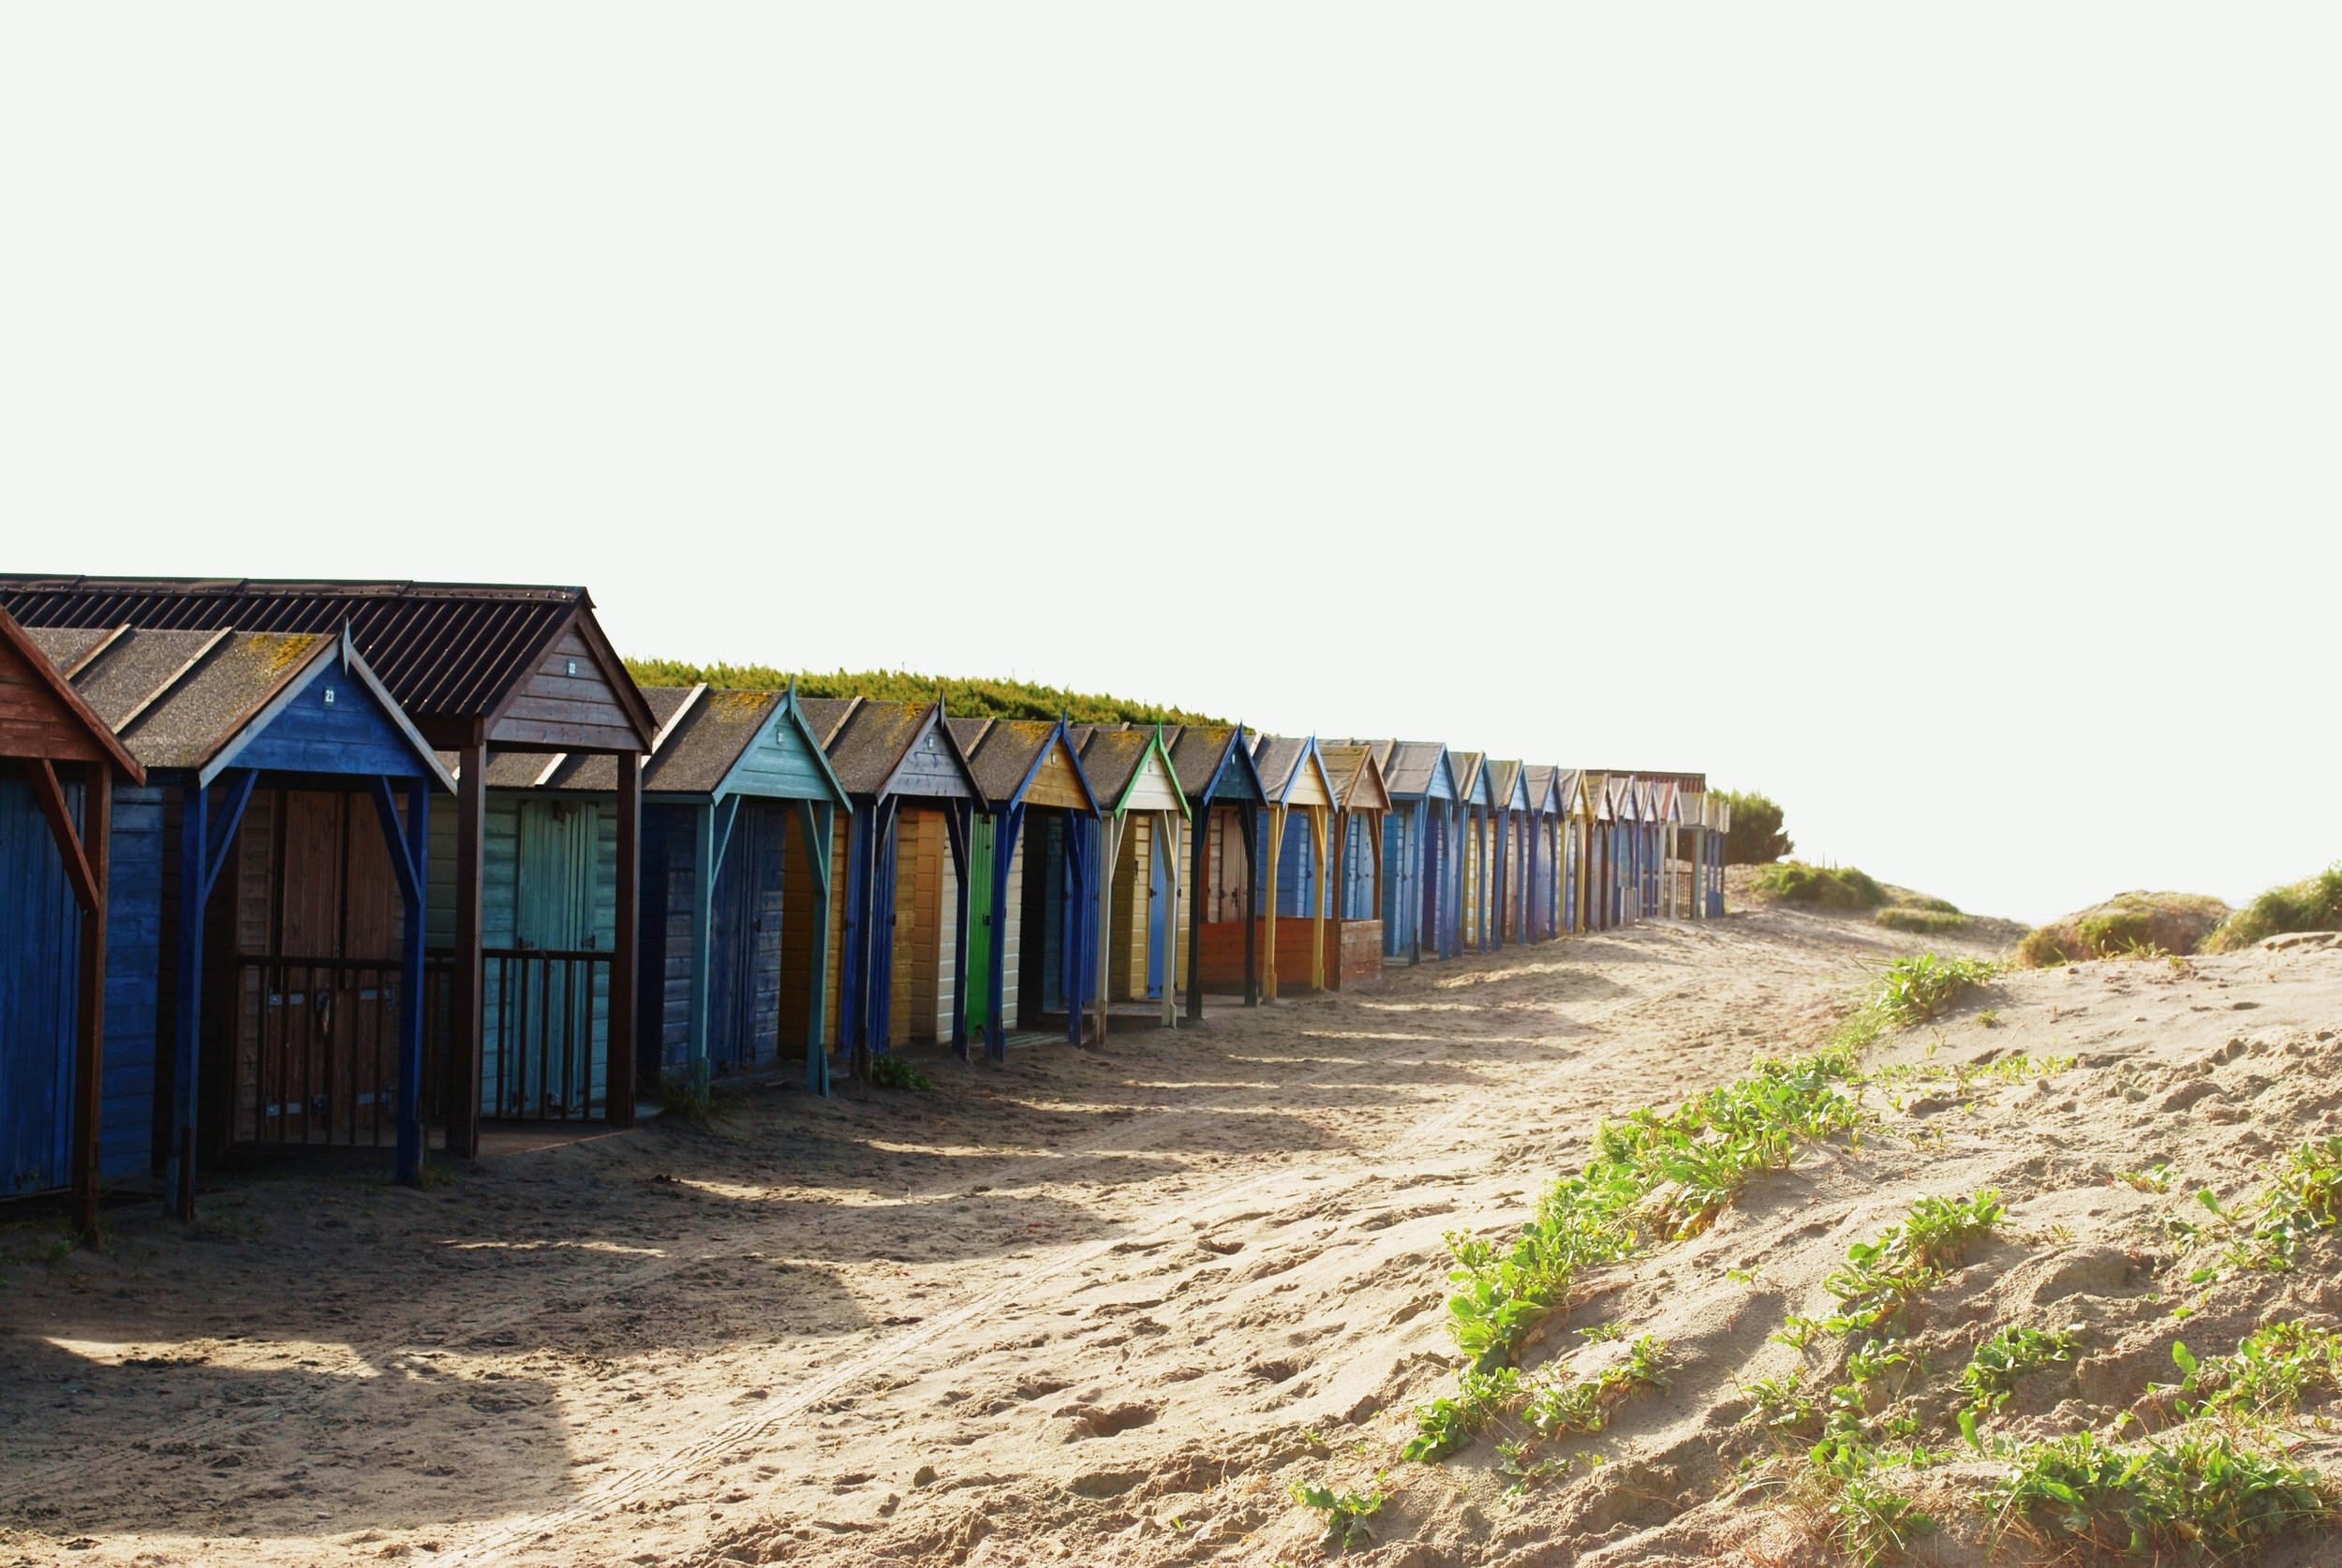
(467, 993)
(624, 962)
(96, 848)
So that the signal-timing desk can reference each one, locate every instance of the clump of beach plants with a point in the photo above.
(1345, 1513)
(2274, 1366)
(1912, 991)
(2016, 1350)
(889, 1070)
(2204, 1494)
(2312, 904)
(2128, 926)
(2303, 1198)
(1820, 887)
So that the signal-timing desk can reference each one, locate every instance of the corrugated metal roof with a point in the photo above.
(176, 697)
(444, 650)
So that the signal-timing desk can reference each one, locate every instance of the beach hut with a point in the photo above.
(1512, 836)
(1542, 854)
(1029, 953)
(1226, 802)
(903, 966)
(514, 668)
(735, 792)
(294, 944)
(1418, 849)
(1142, 817)
(1659, 819)
(1719, 824)
(1362, 805)
(1476, 846)
(60, 769)
(1292, 888)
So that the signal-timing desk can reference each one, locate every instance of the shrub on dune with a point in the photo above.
(2128, 923)
(2312, 904)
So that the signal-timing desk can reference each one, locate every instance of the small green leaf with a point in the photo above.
(2183, 1356)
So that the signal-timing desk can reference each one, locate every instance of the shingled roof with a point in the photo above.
(445, 651)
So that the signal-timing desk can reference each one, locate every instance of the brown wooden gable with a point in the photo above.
(575, 699)
(1058, 782)
(1310, 785)
(42, 715)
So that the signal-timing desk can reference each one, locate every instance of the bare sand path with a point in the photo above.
(1077, 1309)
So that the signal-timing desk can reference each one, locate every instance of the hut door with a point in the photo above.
(544, 1034)
(37, 973)
(745, 948)
(1157, 895)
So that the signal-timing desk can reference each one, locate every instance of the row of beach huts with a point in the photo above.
(327, 865)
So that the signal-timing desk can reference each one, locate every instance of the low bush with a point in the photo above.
(2129, 925)
(2312, 904)
(889, 1070)
(1904, 917)
(1822, 887)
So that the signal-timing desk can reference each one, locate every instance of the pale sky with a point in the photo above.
(1929, 418)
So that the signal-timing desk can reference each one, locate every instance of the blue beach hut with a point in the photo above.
(292, 948)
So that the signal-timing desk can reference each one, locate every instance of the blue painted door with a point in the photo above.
(1158, 909)
(744, 987)
(42, 931)
(549, 1062)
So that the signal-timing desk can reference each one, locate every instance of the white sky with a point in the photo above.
(1928, 419)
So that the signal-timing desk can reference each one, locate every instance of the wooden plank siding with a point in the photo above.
(566, 703)
(802, 946)
(926, 892)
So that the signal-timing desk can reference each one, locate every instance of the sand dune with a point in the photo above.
(1105, 1308)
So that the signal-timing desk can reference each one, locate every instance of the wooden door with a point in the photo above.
(39, 966)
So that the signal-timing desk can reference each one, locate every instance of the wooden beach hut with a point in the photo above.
(1420, 839)
(1602, 900)
(1225, 802)
(1541, 852)
(1292, 889)
(1142, 817)
(1658, 817)
(515, 668)
(735, 792)
(1576, 827)
(1353, 946)
(903, 966)
(290, 923)
(1719, 824)
(1474, 850)
(1028, 952)
(60, 769)
(1512, 838)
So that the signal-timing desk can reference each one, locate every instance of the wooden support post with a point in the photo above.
(1200, 864)
(626, 962)
(1317, 903)
(1167, 823)
(703, 928)
(960, 823)
(466, 1015)
(93, 860)
(1267, 913)
(1248, 817)
(409, 1170)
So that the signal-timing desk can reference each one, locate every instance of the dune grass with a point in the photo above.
(1905, 917)
(2312, 904)
(1820, 887)
(2130, 924)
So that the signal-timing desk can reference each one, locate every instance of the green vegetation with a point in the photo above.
(1445, 1424)
(1880, 1277)
(2129, 925)
(1755, 837)
(1904, 917)
(687, 1094)
(1993, 1372)
(2273, 1367)
(1345, 1513)
(1911, 991)
(889, 1070)
(2303, 1197)
(1820, 887)
(2206, 1493)
(1652, 1175)
(2312, 904)
(963, 698)
(1575, 1405)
